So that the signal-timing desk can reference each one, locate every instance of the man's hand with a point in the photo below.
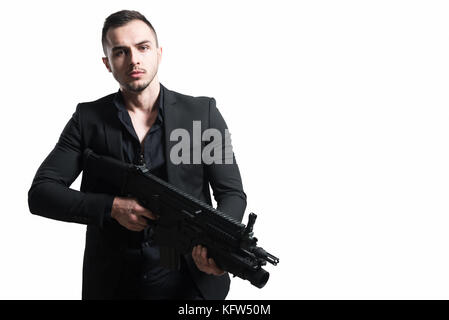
(207, 265)
(130, 214)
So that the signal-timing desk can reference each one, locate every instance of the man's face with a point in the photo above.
(132, 55)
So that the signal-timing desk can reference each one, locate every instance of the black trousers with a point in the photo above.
(143, 279)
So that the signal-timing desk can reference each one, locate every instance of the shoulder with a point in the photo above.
(101, 102)
(188, 106)
(98, 109)
(188, 99)
(92, 113)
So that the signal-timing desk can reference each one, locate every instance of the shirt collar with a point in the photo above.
(120, 104)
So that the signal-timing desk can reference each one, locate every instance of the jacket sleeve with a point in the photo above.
(50, 194)
(224, 177)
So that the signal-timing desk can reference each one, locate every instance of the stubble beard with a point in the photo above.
(137, 87)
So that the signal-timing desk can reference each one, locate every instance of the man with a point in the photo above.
(135, 125)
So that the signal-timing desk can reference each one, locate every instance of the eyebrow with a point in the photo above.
(125, 47)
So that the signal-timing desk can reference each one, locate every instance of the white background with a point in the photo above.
(339, 117)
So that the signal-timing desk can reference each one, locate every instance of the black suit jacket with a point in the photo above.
(95, 125)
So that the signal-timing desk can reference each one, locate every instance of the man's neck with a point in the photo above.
(143, 101)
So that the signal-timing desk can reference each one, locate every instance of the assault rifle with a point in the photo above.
(185, 222)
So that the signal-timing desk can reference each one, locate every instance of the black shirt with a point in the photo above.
(142, 256)
(143, 276)
(151, 152)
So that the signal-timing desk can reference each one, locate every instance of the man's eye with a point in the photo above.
(143, 48)
(118, 53)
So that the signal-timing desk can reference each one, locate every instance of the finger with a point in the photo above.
(199, 261)
(147, 213)
(198, 251)
(195, 252)
(216, 270)
(141, 221)
(204, 254)
(205, 261)
(138, 209)
(198, 255)
(211, 263)
(137, 225)
(133, 227)
(137, 221)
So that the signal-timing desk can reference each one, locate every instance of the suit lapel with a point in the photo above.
(113, 133)
(171, 120)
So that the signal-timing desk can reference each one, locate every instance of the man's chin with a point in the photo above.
(137, 87)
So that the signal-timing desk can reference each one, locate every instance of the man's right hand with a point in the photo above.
(130, 214)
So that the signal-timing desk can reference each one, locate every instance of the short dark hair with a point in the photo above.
(120, 18)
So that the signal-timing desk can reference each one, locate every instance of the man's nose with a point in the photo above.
(133, 57)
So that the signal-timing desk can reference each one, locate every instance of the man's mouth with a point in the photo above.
(136, 73)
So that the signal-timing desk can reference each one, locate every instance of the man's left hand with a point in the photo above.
(207, 265)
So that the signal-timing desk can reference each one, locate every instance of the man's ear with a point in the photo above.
(106, 63)
(159, 55)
